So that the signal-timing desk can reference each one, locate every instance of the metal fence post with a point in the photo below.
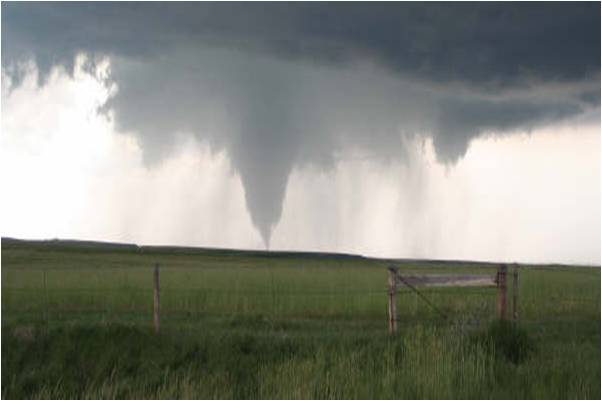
(156, 298)
(46, 313)
(515, 294)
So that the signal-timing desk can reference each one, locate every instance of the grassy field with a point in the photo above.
(77, 323)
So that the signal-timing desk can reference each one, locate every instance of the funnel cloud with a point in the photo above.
(281, 86)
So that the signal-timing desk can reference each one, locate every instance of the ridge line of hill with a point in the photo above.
(88, 245)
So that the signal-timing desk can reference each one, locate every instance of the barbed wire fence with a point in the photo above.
(55, 295)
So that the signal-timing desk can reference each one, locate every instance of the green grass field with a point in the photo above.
(77, 323)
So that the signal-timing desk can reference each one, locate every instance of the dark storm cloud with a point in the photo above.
(591, 97)
(270, 115)
(284, 84)
(485, 44)
(466, 119)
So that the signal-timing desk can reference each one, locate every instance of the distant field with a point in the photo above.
(77, 323)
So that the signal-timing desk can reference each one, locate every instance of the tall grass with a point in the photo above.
(77, 324)
(423, 362)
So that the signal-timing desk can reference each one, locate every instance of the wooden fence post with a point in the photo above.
(501, 291)
(156, 298)
(515, 294)
(392, 302)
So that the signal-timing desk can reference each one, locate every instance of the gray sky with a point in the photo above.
(419, 130)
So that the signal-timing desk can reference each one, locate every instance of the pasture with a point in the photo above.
(77, 323)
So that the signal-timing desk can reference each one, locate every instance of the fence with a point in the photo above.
(486, 281)
(188, 295)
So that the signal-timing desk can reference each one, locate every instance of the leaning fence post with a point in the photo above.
(392, 303)
(515, 294)
(156, 298)
(501, 291)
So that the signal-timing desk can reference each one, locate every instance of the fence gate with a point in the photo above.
(440, 280)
